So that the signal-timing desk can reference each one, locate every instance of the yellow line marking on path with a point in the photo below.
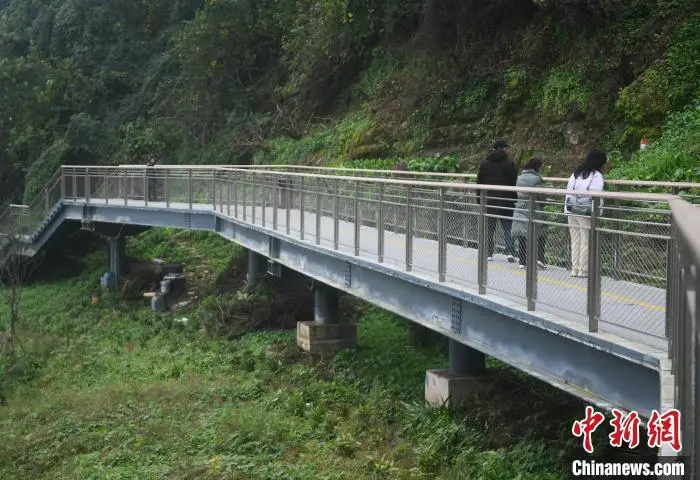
(559, 283)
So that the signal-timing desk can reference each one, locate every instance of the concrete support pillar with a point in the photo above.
(117, 257)
(257, 267)
(326, 335)
(465, 361)
(326, 305)
(454, 385)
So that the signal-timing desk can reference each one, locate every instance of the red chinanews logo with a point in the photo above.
(661, 429)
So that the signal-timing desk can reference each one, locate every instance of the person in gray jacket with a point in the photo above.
(529, 177)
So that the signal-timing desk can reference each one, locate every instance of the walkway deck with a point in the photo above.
(632, 311)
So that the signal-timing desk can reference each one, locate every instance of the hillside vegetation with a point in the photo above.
(113, 390)
(219, 390)
(331, 81)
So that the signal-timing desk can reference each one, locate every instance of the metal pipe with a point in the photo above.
(409, 229)
(302, 212)
(275, 205)
(229, 185)
(318, 212)
(358, 220)
(441, 237)
(288, 202)
(482, 274)
(531, 256)
(254, 198)
(166, 188)
(380, 225)
(262, 200)
(594, 291)
(189, 188)
(336, 215)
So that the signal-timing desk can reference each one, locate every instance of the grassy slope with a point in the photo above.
(115, 391)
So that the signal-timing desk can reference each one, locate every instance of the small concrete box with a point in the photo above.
(327, 338)
(443, 389)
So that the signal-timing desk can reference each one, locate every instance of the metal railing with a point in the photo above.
(682, 317)
(433, 229)
(686, 188)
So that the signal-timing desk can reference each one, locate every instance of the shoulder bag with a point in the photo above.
(575, 205)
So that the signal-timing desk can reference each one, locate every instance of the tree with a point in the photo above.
(15, 270)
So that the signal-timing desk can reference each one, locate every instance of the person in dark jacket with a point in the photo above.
(151, 177)
(498, 169)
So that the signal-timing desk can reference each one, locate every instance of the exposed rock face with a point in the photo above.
(571, 133)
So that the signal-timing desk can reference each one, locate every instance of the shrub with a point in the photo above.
(674, 157)
(565, 93)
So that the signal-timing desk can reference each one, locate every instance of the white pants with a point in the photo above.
(579, 228)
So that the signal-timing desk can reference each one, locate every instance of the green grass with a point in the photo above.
(111, 390)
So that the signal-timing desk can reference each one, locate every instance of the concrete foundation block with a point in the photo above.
(326, 338)
(441, 389)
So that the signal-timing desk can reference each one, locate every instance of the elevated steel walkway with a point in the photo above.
(417, 247)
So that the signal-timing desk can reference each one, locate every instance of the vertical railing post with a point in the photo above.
(594, 277)
(695, 360)
(105, 181)
(212, 189)
(442, 243)
(288, 203)
(302, 213)
(380, 223)
(228, 194)
(145, 186)
(221, 189)
(531, 256)
(254, 192)
(336, 215)
(244, 201)
(685, 356)
(676, 298)
(318, 211)
(275, 203)
(189, 187)
(358, 220)
(125, 181)
(166, 188)
(263, 197)
(617, 238)
(75, 184)
(670, 287)
(409, 228)
(87, 184)
(482, 253)
(235, 197)
(63, 184)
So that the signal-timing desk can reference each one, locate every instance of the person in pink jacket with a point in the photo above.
(587, 177)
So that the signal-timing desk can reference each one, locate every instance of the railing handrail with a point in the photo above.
(690, 230)
(637, 183)
(632, 196)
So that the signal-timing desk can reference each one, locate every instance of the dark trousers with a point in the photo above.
(522, 249)
(152, 185)
(491, 233)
